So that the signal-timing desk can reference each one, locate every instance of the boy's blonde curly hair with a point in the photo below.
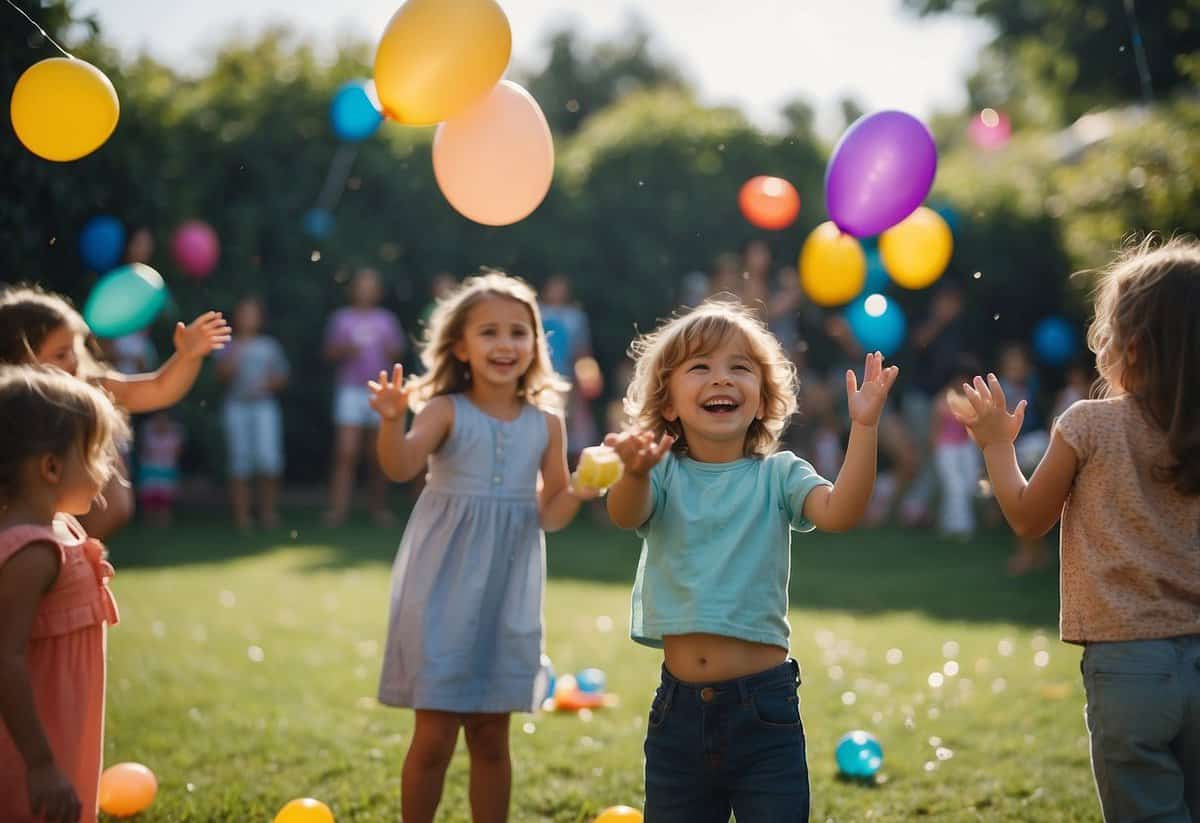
(656, 356)
(445, 374)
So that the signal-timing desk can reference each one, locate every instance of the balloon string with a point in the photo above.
(335, 180)
(1139, 52)
(41, 30)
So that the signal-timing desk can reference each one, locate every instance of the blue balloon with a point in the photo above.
(859, 754)
(125, 300)
(1054, 341)
(878, 324)
(101, 243)
(591, 681)
(318, 222)
(877, 276)
(355, 112)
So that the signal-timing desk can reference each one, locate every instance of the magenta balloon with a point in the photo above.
(880, 171)
(195, 248)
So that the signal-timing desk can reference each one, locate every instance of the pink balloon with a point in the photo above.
(494, 162)
(195, 248)
(990, 129)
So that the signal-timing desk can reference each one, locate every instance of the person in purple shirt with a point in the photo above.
(362, 339)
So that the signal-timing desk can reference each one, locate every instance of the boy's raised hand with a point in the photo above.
(389, 398)
(993, 423)
(866, 402)
(638, 451)
(207, 332)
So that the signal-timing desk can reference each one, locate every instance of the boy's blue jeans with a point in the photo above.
(1143, 716)
(735, 745)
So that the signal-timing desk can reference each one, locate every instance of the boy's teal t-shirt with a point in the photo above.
(716, 549)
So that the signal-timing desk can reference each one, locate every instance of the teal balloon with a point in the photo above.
(878, 324)
(859, 754)
(947, 213)
(877, 276)
(125, 300)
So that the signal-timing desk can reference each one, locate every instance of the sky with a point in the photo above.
(754, 54)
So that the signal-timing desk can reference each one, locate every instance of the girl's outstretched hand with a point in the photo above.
(207, 332)
(866, 402)
(389, 398)
(638, 451)
(993, 423)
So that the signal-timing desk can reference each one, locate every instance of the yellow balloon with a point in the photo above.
(305, 810)
(917, 250)
(833, 267)
(619, 814)
(437, 57)
(63, 108)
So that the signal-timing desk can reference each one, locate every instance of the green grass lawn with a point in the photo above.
(244, 672)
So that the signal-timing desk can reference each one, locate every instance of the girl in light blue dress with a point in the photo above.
(465, 631)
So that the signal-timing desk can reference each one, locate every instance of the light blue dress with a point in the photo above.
(465, 630)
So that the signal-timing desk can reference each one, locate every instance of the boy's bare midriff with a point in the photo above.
(708, 658)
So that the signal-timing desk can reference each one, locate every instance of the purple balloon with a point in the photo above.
(880, 171)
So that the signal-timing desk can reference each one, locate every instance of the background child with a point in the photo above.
(159, 447)
(58, 452)
(465, 633)
(1124, 474)
(361, 339)
(42, 327)
(715, 505)
(256, 370)
(956, 459)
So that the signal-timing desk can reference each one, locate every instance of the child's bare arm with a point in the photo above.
(841, 506)
(164, 388)
(629, 500)
(558, 500)
(1031, 508)
(402, 454)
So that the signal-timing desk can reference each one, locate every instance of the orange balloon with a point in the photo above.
(619, 814)
(769, 202)
(494, 163)
(126, 789)
(304, 810)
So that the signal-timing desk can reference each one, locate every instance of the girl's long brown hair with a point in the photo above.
(1146, 336)
(445, 374)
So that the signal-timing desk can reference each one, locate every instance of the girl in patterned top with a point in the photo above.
(1123, 473)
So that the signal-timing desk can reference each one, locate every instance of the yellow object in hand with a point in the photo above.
(599, 467)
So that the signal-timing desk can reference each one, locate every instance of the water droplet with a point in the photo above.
(849, 698)
(256, 654)
(895, 656)
(529, 728)
(950, 650)
(315, 256)
(604, 624)
(936, 679)
(1041, 659)
(977, 275)
(1005, 647)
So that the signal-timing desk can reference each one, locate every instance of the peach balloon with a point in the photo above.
(494, 163)
(126, 789)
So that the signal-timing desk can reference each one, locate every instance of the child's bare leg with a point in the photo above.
(434, 739)
(239, 497)
(491, 766)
